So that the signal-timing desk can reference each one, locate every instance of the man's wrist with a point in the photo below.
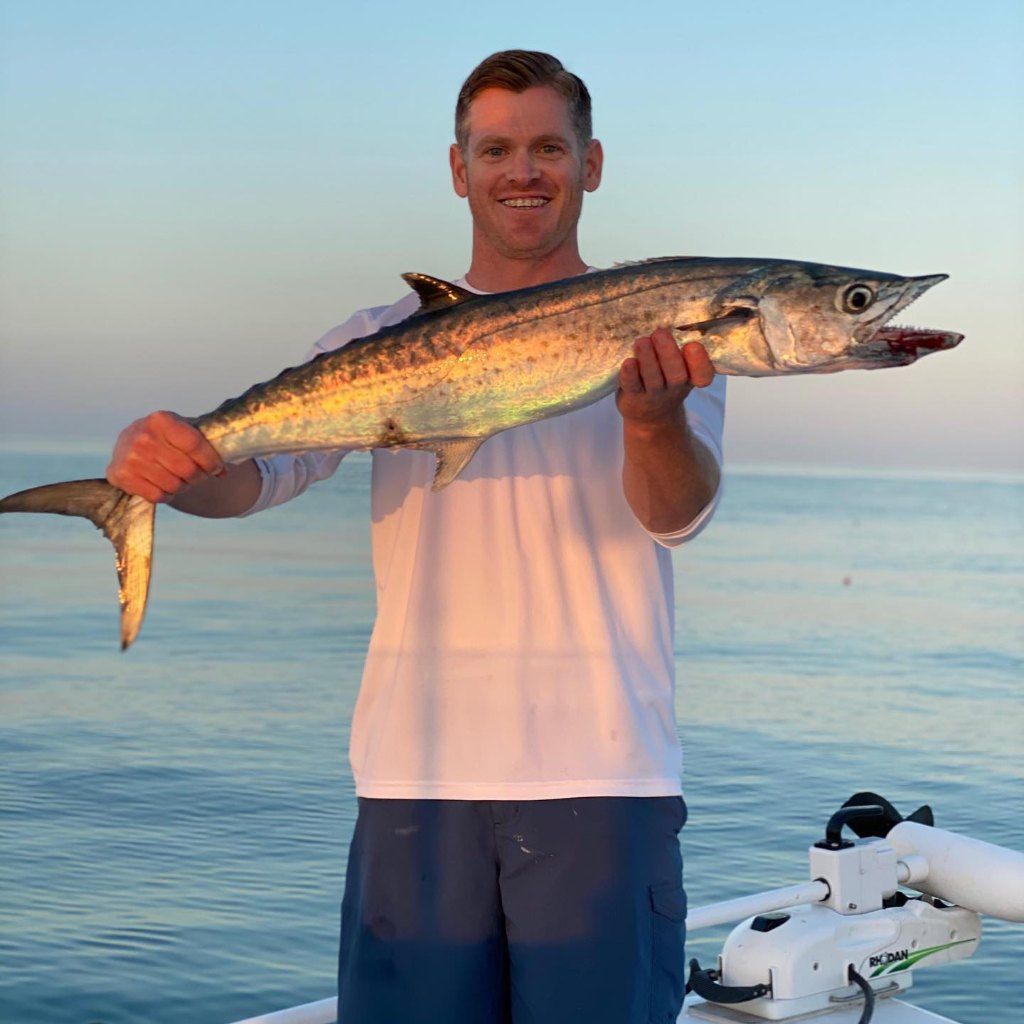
(670, 428)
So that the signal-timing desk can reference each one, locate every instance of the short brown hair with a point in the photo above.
(517, 71)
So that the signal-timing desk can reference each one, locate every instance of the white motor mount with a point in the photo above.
(806, 953)
(864, 934)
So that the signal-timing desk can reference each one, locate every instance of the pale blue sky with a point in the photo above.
(194, 192)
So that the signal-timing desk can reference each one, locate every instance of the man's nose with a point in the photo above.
(523, 168)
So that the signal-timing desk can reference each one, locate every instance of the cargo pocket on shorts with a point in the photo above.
(668, 949)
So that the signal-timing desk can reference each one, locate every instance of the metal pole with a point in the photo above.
(759, 903)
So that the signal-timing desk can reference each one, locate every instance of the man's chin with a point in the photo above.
(528, 247)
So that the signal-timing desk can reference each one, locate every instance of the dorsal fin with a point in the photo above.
(436, 294)
(652, 259)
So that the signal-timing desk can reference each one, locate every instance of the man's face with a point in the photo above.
(523, 172)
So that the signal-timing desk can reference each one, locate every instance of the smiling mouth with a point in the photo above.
(525, 203)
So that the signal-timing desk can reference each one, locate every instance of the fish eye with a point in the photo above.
(855, 298)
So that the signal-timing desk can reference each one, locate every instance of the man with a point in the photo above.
(516, 855)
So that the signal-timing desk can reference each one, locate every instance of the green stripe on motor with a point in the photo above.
(915, 958)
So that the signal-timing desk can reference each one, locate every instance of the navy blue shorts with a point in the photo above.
(514, 912)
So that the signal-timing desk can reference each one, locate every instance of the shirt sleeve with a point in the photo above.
(705, 416)
(284, 477)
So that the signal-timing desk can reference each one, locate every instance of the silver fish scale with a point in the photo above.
(496, 361)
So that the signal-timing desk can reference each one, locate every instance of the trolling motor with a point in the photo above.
(850, 935)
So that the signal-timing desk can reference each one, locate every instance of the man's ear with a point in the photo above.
(458, 166)
(593, 162)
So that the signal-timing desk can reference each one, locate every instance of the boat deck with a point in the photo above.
(695, 1011)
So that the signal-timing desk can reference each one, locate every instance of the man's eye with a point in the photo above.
(494, 151)
(551, 148)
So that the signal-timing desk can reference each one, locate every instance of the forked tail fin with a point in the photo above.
(126, 520)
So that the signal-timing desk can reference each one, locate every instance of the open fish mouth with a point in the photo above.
(903, 344)
(910, 343)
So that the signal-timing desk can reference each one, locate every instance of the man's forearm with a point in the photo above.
(668, 476)
(218, 498)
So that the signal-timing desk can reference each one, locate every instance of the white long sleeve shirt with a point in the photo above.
(523, 642)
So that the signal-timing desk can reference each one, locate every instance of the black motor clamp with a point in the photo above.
(705, 984)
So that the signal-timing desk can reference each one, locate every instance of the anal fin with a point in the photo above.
(452, 459)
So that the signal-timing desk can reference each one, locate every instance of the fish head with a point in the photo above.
(821, 319)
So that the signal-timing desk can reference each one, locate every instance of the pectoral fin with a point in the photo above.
(733, 331)
(452, 459)
(731, 318)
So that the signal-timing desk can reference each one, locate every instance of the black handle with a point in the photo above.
(834, 829)
(705, 984)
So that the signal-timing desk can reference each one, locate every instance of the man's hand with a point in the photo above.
(668, 476)
(160, 455)
(654, 383)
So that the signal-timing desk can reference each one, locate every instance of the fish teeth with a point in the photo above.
(913, 327)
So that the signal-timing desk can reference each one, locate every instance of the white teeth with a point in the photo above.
(523, 202)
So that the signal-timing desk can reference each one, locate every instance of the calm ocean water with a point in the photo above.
(174, 822)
